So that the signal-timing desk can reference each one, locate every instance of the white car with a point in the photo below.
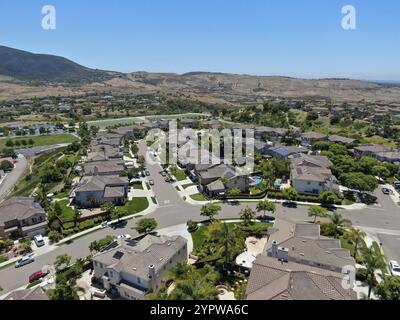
(124, 236)
(394, 268)
(39, 240)
(24, 261)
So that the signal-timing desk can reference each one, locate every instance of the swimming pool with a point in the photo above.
(254, 181)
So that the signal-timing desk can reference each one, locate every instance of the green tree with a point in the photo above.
(290, 194)
(389, 289)
(329, 198)
(373, 261)
(210, 210)
(317, 211)
(359, 181)
(62, 260)
(247, 215)
(265, 206)
(146, 225)
(108, 209)
(25, 244)
(338, 224)
(234, 192)
(54, 236)
(6, 165)
(356, 236)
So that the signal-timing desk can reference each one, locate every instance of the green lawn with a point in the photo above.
(137, 185)
(61, 195)
(67, 212)
(198, 197)
(180, 175)
(185, 186)
(136, 205)
(45, 140)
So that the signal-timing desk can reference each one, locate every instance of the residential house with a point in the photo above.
(20, 217)
(132, 269)
(212, 124)
(107, 167)
(189, 123)
(210, 179)
(272, 134)
(369, 150)
(309, 138)
(93, 191)
(32, 294)
(191, 154)
(341, 140)
(284, 152)
(311, 174)
(111, 139)
(300, 264)
(101, 152)
(389, 156)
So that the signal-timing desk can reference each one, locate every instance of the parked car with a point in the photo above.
(39, 240)
(147, 172)
(38, 275)
(385, 190)
(24, 261)
(124, 236)
(151, 182)
(394, 268)
(167, 179)
(163, 173)
(397, 184)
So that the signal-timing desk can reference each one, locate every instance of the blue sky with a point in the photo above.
(301, 38)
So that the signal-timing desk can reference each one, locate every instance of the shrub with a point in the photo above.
(361, 275)
(192, 226)
(68, 232)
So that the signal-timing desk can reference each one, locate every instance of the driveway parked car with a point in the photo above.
(24, 261)
(394, 268)
(385, 190)
(147, 172)
(151, 182)
(38, 275)
(163, 173)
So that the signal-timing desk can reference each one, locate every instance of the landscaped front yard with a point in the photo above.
(67, 212)
(136, 205)
(180, 175)
(137, 185)
(198, 197)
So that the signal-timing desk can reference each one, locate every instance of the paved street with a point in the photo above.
(12, 178)
(383, 220)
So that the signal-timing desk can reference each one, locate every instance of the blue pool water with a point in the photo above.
(254, 181)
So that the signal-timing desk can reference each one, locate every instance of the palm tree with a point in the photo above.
(373, 261)
(265, 205)
(338, 224)
(356, 235)
(228, 240)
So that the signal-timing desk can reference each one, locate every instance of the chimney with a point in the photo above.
(274, 249)
(283, 254)
(152, 271)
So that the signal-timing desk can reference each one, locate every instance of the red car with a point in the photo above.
(38, 275)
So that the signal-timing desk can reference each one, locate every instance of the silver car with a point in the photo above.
(24, 261)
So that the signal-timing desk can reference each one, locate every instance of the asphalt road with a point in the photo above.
(12, 178)
(383, 220)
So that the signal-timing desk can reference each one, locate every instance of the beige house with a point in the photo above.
(300, 264)
(311, 174)
(21, 216)
(132, 269)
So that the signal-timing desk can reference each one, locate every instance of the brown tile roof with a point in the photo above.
(271, 279)
(19, 208)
